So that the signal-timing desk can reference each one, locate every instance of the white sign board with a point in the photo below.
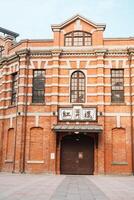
(77, 113)
(52, 156)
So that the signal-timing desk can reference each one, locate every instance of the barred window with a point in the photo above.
(38, 86)
(14, 89)
(77, 89)
(78, 38)
(117, 85)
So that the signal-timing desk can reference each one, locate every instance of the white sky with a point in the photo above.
(33, 18)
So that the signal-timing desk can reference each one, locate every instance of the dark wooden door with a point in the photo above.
(77, 154)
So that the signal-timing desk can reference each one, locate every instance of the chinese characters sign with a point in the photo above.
(77, 113)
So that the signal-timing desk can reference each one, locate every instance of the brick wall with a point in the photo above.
(27, 140)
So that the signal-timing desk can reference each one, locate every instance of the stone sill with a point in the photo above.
(37, 104)
(12, 106)
(8, 161)
(35, 161)
(119, 163)
(118, 104)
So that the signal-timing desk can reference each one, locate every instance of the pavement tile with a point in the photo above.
(61, 187)
(78, 187)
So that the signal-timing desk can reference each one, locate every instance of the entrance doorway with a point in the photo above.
(77, 154)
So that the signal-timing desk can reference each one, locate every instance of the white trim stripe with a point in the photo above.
(47, 114)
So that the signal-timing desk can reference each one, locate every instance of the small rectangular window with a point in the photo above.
(38, 86)
(117, 95)
(1, 49)
(14, 89)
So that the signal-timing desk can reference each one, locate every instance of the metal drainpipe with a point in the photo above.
(25, 114)
(131, 110)
(15, 137)
(57, 136)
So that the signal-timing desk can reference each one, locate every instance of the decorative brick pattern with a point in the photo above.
(34, 139)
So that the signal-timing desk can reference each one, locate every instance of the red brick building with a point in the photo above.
(67, 104)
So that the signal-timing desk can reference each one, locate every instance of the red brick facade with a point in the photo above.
(28, 142)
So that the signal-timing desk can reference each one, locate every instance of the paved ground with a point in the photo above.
(54, 187)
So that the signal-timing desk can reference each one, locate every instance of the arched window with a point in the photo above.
(77, 87)
(78, 38)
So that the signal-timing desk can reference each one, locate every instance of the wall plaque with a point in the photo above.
(80, 155)
(52, 156)
(77, 113)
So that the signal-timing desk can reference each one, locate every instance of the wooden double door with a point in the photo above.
(77, 154)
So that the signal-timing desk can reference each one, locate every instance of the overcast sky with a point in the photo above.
(33, 18)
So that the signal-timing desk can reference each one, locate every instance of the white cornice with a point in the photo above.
(83, 48)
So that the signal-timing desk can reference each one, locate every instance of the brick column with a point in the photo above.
(101, 109)
(2, 110)
(54, 108)
(131, 70)
(20, 114)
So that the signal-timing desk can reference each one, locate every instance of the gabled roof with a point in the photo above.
(65, 23)
(8, 32)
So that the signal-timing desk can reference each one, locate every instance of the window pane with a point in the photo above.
(14, 89)
(78, 41)
(87, 38)
(117, 96)
(38, 86)
(87, 41)
(77, 87)
(117, 85)
(81, 97)
(77, 38)
(78, 33)
(68, 41)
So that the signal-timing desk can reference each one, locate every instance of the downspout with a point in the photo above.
(25, 113)
(57, 135)
(131, 109)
